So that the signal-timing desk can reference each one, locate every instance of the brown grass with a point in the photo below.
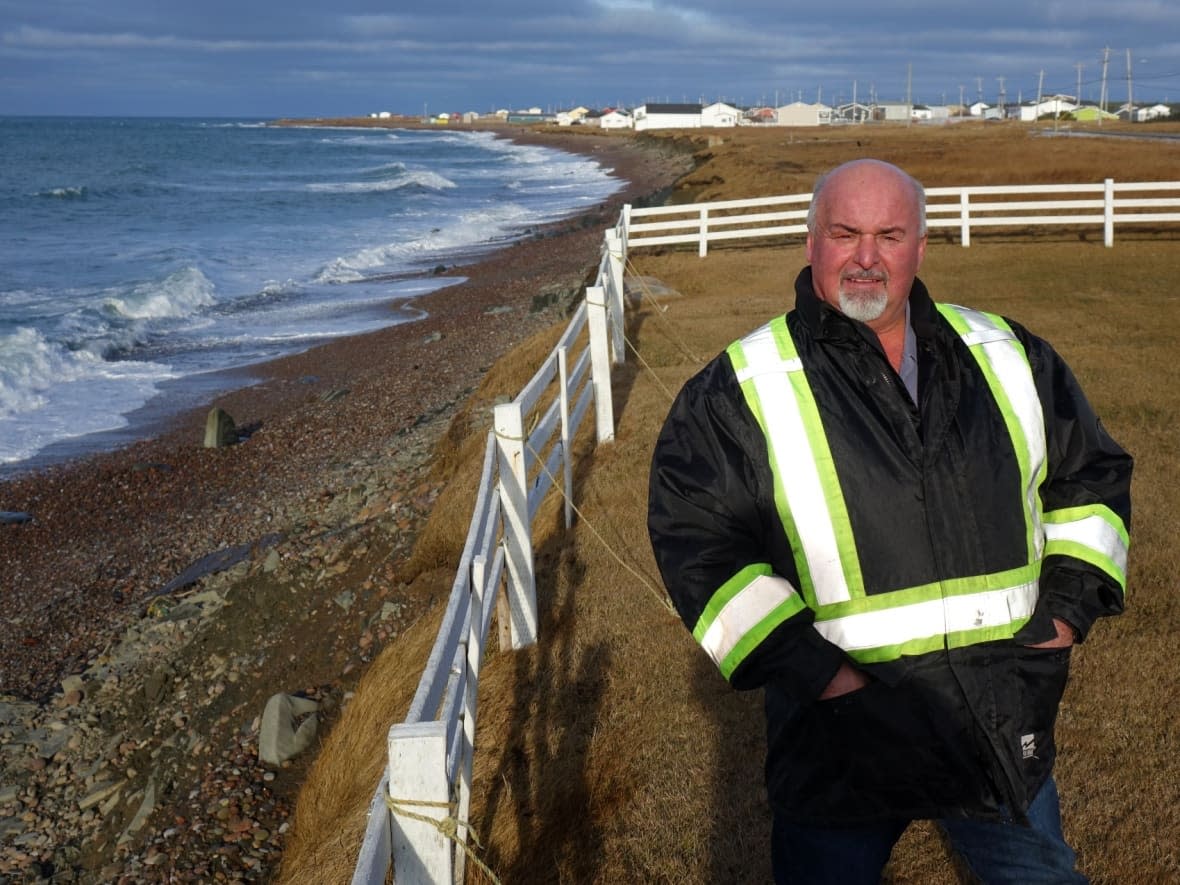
(613, 751)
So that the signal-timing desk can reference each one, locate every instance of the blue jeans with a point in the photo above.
(994, 851)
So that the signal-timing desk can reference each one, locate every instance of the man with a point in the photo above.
(895, 517)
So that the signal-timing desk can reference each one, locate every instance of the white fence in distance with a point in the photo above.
(428, 776)
(1101, 205)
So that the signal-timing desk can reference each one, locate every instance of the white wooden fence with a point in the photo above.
(1101, 205)
(428, 777)
(427, 780)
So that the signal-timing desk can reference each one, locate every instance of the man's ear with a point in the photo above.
(809, 247)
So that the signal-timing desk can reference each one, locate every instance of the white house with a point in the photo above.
(667, 116)
(799, 113)
(570, 117)
(979, 108)
(720, 114)
(615, 119)
(1154, 112)
(892, 111)
(1050, 105)
(923, 113)
(855, 112)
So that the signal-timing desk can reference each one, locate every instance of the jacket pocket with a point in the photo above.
(1042, 675)
(879, 752)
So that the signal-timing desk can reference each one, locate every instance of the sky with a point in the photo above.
(294, 58)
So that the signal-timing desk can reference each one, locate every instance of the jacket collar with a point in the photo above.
(824, 321)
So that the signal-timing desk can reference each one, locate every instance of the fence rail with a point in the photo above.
(428, 776)
(964, 208)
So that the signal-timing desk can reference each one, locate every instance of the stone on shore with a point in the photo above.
(282, 735)
(220, 429)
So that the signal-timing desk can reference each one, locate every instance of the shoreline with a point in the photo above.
(133, 684)
(109, 528)
(159, 415)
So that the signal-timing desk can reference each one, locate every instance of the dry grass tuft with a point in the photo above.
(613, 751)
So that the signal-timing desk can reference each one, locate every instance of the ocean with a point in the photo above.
(139, 255)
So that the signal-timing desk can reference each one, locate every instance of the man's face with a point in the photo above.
(866, 247)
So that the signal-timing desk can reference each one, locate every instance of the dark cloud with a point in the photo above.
(294, 58)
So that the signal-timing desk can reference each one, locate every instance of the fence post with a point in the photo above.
(521, 593)
(604, 407)
(418, 784)
(964, 218)
(567, 467)
(626, 219)
(614, 251)
(703, 250)
(1108, 212)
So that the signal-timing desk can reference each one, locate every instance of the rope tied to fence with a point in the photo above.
(448, 826)
(557, 484)
(650, 371)
(661, 313)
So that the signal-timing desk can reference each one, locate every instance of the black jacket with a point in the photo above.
(932, 494)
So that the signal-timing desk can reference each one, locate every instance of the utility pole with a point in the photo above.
(1040, 92)
(1003, 99)
(1102, 99)
(979, 88)
(1079, 95)
(960, 99)
(1130, 107)
(909, 94)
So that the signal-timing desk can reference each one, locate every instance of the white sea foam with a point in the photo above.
(471, 230)
(365, 140)
(419, 178)
(49, 392)
(77, 192)
(180, 294)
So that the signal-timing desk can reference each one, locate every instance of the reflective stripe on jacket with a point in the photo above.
(807, 493)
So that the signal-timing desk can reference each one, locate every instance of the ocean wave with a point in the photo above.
(421, 179)
(470, 231)
(180, 294)
(79, 192)
(30, 364)
(395, 168)
(366, 140)
(27, 365)
(49, 392)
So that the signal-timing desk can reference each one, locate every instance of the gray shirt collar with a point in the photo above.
(909, 359)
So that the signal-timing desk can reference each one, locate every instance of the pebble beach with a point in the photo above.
(155, 597)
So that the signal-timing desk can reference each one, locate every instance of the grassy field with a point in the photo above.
(613, 751)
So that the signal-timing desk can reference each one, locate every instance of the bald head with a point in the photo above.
(868, 169)
(866, 237)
